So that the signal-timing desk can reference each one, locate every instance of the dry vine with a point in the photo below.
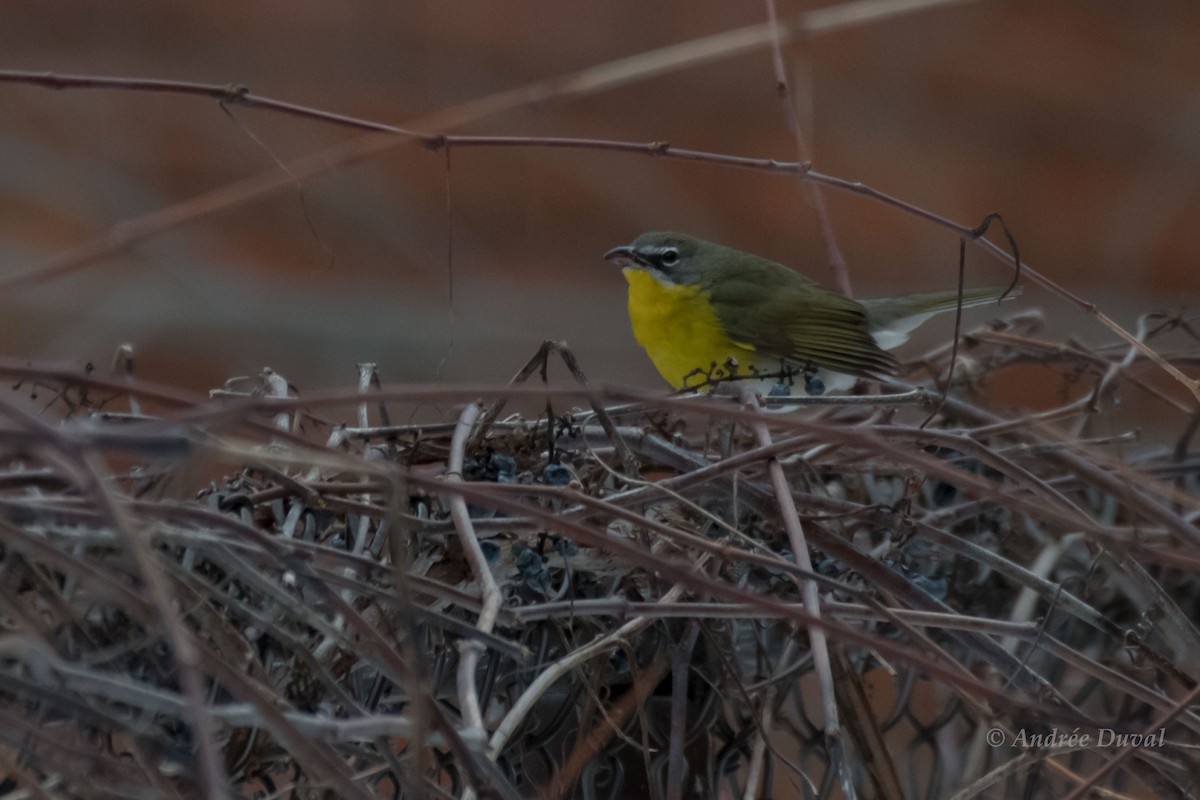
(409, 610)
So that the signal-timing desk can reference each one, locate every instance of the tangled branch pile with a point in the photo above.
(603, 602)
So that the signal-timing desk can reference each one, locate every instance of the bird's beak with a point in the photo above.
(624, 255)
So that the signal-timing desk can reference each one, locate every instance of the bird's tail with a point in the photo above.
(892, 319)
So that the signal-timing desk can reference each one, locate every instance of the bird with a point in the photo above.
(711, 316)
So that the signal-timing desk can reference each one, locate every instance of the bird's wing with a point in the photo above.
(782, 314)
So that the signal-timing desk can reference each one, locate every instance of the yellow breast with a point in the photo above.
(678, 327)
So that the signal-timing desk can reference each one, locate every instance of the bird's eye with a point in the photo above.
(669, 257)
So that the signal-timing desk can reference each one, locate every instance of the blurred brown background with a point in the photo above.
(1080, 122)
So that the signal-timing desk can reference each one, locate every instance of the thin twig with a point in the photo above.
(832, 252)
(469, 650)
(818, 642)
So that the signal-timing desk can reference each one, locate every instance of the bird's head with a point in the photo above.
(673, 258)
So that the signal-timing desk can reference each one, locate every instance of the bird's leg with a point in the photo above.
(785, 380)
(788, 373)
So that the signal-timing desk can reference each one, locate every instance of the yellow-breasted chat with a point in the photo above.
(706, 313)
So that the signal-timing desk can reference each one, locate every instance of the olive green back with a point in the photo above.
(780, 313)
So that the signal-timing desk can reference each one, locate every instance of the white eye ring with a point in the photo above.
(669, 257)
